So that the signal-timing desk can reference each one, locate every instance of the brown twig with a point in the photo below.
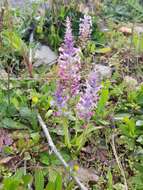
(118, 161)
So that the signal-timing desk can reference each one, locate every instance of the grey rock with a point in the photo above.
(44, 56)
(3, 74)
(18, 3)
(104, 71)
(89, 175)
(138, 29)
(26, 3)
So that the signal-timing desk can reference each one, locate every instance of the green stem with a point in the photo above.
(8, 85)
(66, 133)
(83, 140)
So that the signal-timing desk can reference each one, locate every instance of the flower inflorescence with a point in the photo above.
(69, 76)
(85, 28)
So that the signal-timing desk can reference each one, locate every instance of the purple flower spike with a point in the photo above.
(89, 98)
(68, 84)
(85, 28)
(68, 40)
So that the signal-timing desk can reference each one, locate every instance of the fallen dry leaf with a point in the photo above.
(102, 155)
(84, 174)
(5, 139)
(5, 160)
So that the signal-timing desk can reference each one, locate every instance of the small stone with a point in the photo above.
(89, 175)
(138, 29)
(130, 83)
(44, 56)
(105, 72)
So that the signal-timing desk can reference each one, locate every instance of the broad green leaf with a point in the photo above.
(44, 158)
(52, 175)
(135, 4)
(50, 186)
(138, 42)
(81, 139)
(11, 184)
(15, 102)
(58, 183)
(62, 12)
(25, 112)
(29, 115)
(104, 50)
(11, 124)
(66, 133)
(91, 47)
(110, 180)
(128, 127)
(139, 97)
(39, 180)
(15, 41)
(35, 137)
(54, 160)
(27, 179)
(70, 186)
(103, 100)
